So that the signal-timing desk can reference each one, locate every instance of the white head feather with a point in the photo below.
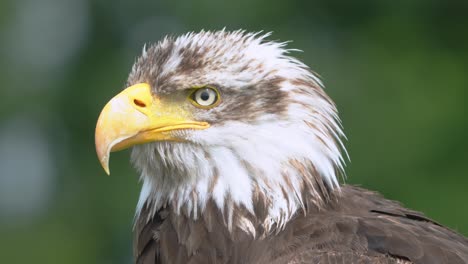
(235, 160)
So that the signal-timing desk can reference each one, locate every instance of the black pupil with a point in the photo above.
(205, 95)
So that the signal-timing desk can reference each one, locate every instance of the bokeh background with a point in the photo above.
(398, 71)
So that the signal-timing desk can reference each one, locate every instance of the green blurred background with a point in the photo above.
(397, 71)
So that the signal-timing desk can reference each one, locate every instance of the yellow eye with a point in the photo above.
(205, 97)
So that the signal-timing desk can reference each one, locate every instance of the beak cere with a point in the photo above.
(135, 116)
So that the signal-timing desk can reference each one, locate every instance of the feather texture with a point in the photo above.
(358, 226)
(261, 184)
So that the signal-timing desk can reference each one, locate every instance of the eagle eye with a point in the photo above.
(205, 97)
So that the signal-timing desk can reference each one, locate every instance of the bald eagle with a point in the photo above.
(240, 151)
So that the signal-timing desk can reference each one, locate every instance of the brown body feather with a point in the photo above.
(358, 226)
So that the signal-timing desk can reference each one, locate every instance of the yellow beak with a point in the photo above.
(135, 116)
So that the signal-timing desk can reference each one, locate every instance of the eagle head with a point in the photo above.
(228, 120)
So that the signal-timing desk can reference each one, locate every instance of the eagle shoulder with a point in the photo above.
(363, 227)
(358, 226)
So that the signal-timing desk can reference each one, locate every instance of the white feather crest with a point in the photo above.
(180, 174)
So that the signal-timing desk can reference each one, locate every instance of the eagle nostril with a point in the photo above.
(139, 103)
